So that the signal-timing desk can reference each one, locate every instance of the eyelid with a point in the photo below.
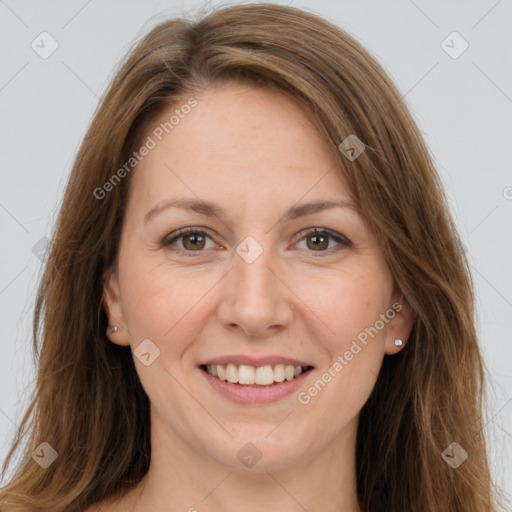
(175, 235)
(340, 239)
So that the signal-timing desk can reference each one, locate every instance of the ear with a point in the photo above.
(113, 308)
(400, 326)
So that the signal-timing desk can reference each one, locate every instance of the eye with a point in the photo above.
(194, 240)
(188, 240)
(318, 240)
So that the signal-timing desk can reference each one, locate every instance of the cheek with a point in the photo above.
(351, 305)
(347, 302)
(151, 303)
(162, 302)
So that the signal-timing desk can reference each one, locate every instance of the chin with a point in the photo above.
(258, 452)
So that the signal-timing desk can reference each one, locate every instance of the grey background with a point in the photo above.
(463, 107)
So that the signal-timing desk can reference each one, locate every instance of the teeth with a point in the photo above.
(231, 373)
(247, 375)
(265, 375)
(279, 372)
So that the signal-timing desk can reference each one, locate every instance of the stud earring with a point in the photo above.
(113, 329)
(398, 342)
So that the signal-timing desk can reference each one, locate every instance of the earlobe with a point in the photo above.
(116, 332)
(400, 328)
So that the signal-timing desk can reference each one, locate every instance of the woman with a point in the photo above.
(255, 298)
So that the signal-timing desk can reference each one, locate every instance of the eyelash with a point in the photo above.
(340, 239)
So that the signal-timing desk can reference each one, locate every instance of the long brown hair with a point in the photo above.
(88, 403)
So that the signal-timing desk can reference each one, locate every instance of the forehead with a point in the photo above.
(238, 140)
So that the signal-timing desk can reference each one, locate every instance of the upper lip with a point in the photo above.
(254, 361)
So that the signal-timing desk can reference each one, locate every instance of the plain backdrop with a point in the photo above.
(462, 101)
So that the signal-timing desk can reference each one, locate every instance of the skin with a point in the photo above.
(256, 154)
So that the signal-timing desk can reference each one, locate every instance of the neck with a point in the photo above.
(182, 478)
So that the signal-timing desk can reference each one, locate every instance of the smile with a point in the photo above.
(246, 375)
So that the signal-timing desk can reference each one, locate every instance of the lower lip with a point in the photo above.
(254, 394)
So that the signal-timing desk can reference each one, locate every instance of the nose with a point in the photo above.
(255, 299)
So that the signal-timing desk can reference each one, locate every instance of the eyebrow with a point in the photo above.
(213, 210)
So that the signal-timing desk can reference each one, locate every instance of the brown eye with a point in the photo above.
(318, 240)
(193, 241)
(188, 241)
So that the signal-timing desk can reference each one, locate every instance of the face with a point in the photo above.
(289, 306)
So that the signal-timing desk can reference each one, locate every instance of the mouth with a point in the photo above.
(255, 376)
